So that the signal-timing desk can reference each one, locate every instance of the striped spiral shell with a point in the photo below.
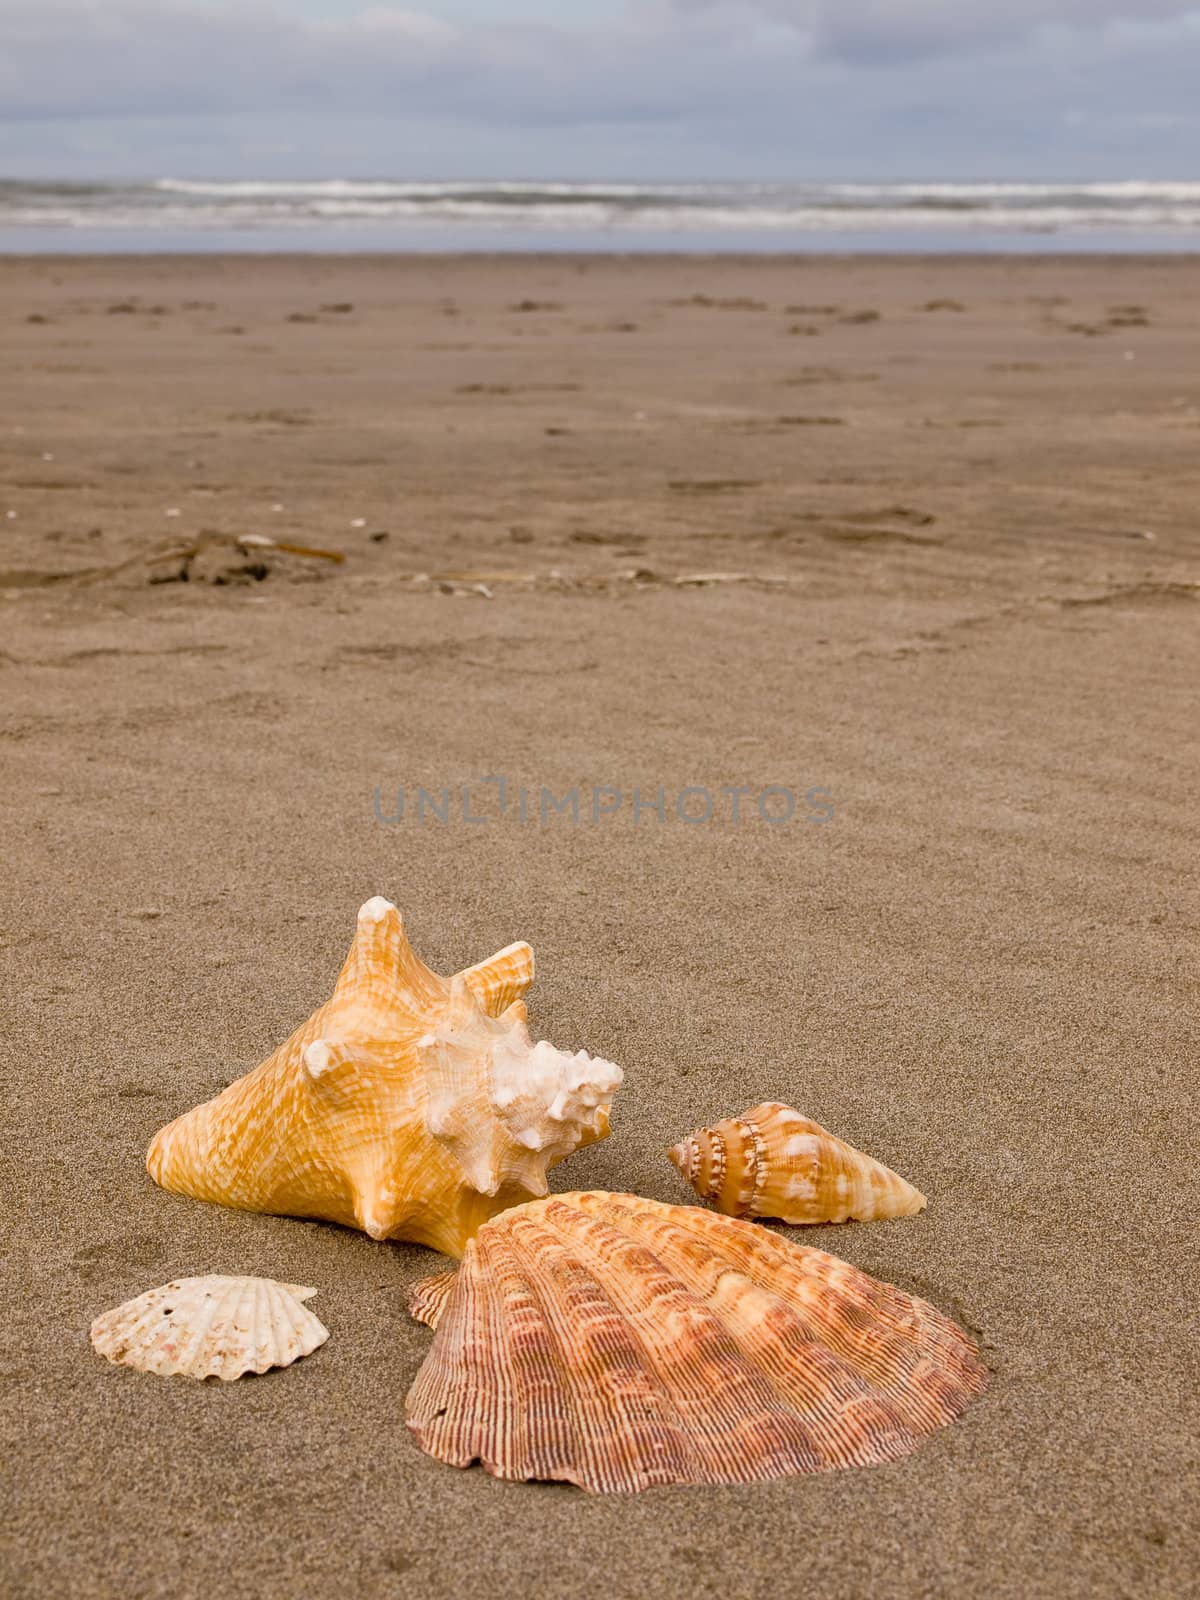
(772, 1162)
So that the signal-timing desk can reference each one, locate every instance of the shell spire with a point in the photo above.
(409, 1105)
(616, 1343)
(773, 1162)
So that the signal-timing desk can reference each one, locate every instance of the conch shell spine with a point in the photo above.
(773, 1162)
(502, 979)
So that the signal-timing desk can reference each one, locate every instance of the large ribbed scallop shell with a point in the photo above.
(772, 1162)
(211, 1327)
(616, 1343)
(409, 1105)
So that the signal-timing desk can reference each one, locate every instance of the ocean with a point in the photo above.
(391, 214)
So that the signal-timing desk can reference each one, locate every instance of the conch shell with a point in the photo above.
(212, 1327)
(772, 1162)
(616, 1343)
(409, 1105)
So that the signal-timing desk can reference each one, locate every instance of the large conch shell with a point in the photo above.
(772, 1162)
(616, 1343)
(212, 1327)
(411, 1106)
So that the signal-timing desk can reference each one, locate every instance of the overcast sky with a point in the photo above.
(601, 88)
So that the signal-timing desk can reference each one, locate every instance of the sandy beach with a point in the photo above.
(918, 537)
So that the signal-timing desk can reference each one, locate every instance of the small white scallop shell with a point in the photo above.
(211, 1327)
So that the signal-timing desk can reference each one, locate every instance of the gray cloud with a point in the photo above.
(886, 32)
(678, 88)
(69, 58)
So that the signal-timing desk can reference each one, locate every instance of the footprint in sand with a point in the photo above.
(48, 483)
(812, 375)
(629, 540)
(277, 417)
(774, 424)
(1127, 317)
(387, 651)
(130, 308)
(907, 514)
(713, 485)
(97, 1261)
(887, 524)
(874, 526)
(721, 303)
(812, 422)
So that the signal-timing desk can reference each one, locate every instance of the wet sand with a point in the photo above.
(920, 534)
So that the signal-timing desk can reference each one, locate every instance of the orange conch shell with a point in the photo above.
(411, 1106)
(616, 1343)
(772, 1162)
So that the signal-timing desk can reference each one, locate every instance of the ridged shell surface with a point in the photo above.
(617, 1343)
(210, 1327)
(773, 1162)
(409, 1105)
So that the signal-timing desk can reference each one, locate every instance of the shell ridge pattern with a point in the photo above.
(801, 1372)
(754, 1385)
(593, 1470)
(889, 1370)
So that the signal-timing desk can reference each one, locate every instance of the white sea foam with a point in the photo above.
(592, 211)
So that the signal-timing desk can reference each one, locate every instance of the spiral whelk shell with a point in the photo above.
(409, 1105)
(210, 1327)
(773, 1162)
(617, 1343)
